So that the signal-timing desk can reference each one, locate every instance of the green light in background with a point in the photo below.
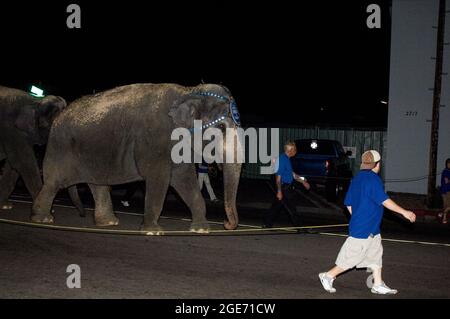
(35, 91)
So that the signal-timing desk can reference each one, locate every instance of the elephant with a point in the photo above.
(25, 121)
(124, 135)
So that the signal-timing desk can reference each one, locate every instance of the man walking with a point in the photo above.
(284, 176)
(363, 249)
(203, 178)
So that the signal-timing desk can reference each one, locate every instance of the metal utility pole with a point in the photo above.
(436, 104)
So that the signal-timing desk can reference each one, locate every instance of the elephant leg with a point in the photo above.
(22, 159)
(31, 176)
(42, 205)
(7, 183)
(104, 214)
(155, 194)
(184, 181)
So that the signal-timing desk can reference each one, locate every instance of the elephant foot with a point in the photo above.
(152, 230)
(105, 221)
(43, 219)
(200, 228)
(6, 206)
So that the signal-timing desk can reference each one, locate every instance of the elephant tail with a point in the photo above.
(75, 197)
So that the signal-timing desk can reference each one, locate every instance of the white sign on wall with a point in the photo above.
(351, 149)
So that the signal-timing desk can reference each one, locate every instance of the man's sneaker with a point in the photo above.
(382, 289)
(125, 203)
(327, 282)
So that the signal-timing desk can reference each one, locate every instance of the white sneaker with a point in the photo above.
(125, 203)
(327, 282)
(382, 289)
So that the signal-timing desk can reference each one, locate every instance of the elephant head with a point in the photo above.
(215, 107)
(35, 118)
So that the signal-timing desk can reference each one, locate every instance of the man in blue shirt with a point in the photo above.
(284, 176)
(203, 178)
(445, 190)
(365, 200)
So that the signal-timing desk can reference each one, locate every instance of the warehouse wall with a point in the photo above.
(412, 68)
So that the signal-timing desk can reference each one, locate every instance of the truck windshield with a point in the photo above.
(315, 147)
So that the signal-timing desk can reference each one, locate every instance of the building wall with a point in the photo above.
(412, 67)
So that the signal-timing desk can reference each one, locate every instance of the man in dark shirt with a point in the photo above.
(203, 178)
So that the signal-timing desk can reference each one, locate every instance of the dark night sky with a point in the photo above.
(283, 62)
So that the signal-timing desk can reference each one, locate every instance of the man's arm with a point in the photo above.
(391, 205)
(301, 180)
(278, 182)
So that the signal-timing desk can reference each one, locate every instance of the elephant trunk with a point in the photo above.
(231, 175)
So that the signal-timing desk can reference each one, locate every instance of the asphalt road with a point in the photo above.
(257, 265)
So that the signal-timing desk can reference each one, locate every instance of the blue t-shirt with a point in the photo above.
(366, 196)
(202, 167)
(284, 169)
(445, 188)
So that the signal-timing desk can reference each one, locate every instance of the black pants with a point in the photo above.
(131, 190)
(288, 203)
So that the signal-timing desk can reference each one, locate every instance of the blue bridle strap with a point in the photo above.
(232, 109)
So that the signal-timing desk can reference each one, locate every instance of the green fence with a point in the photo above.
(358, 140)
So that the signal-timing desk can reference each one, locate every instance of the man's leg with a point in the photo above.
(335, 271)
(209, 188)
(289, 201)
(377, 279)
(269, 217)
(446, 198)
(374, 261)
(349, 256)
(200, 179)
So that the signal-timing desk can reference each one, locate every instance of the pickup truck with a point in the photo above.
(324, 162)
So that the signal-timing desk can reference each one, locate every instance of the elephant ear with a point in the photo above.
(51, 105)
(26, 121)
(48, 108)
(184, 112)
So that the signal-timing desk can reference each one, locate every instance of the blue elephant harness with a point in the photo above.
(233, 110)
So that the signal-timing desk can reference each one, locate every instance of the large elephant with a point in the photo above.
(25, 121)
(124, 135)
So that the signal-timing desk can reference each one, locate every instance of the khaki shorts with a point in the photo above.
(446, 199)
(361, 253)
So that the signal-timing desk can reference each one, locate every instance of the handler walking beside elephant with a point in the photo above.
(285, 194)
(203, 178)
